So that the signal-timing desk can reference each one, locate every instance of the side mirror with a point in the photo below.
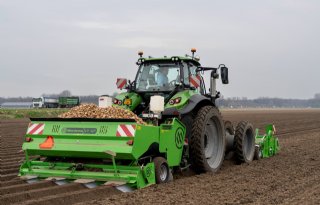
(224, 75)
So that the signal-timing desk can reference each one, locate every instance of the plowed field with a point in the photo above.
(292, 177)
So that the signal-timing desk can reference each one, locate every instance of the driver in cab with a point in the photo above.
(162, 77)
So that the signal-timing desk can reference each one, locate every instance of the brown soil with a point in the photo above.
(291, 177)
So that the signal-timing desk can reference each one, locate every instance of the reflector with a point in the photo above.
(28, 139)
(130, 142)
(48, 144)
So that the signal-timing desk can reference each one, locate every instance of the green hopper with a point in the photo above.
(109, 151)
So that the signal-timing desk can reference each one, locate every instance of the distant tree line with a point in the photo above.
(234, 102)
(269, 103)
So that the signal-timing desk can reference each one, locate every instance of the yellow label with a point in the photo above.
(127, 102)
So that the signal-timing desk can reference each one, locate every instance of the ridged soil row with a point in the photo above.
(23, 187)
(75, 196)
(11, 183)
(8, 177)
(8, 171)
(11, 155)
(12, 160)
(38, 192)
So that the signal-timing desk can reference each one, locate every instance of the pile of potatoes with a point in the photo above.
(93, 111)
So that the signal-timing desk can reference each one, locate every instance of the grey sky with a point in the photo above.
(272, 47)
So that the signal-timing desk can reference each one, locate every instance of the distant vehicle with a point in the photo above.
(68, 102)
(105, 101)
(45, 102)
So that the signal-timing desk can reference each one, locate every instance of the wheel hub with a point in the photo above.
(163, 172)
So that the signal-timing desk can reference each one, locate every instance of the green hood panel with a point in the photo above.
(135, 98)
(185, 96)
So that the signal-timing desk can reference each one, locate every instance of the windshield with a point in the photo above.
(36, 100)
(157, 77)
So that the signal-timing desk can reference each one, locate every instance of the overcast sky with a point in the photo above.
(272, 48)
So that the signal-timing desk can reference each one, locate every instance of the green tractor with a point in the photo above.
(184, 128)
(185, 98)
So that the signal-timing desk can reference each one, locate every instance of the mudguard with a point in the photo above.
(194, 101)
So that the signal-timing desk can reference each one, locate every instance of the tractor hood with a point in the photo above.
(127, 100)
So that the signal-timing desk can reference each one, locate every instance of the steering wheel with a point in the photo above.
(172, 83)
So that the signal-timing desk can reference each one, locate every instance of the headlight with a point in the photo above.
(175, 101)
(117, 102)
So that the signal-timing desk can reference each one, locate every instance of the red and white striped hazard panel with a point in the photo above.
(195, 81)
(35, 128)
(121, 83)
(126, 131)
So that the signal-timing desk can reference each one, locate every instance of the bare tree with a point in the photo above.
(65, 93)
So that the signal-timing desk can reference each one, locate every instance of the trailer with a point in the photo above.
(68, 102)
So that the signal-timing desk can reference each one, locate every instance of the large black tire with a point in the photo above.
(162, 170)
(188, 120)
(207, 144)
(244, 142)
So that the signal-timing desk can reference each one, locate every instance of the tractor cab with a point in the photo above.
(157, 77)
(167, 77)
(165, 74)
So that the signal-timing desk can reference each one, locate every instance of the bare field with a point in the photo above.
(6, 114)
(292, 177)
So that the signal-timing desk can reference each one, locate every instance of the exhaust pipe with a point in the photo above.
(213, 86)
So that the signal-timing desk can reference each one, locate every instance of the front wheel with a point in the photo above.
(207, 143)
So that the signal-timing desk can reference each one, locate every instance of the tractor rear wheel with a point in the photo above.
(207, 143)
(162, 170)
(244, 142)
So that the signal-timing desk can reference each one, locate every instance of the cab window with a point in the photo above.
(192, 71)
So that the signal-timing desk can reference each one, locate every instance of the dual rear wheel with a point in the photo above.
(244, 142)
(240, 142)
(206, 133)
(209, 138)
(207, 142)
